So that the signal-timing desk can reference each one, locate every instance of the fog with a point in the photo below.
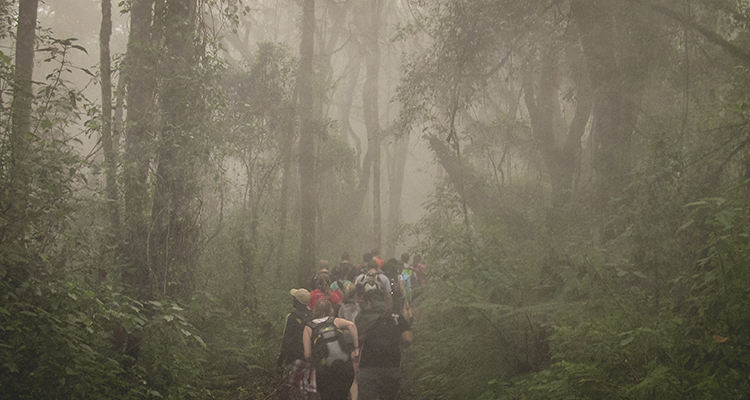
(574, 175)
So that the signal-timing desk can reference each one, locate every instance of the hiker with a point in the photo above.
(323, 292)
(349, 309)
(392, 270)
(329, 354)
(407, 274)
(348, 267)
(382, 336)
(420, 271)
(352, 301)
(362, 267)
(373, 278)
(300, 376)
(372, 266)
(343, 273)
(322, 270)
(375, 253)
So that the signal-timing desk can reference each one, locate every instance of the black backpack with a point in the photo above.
(344, 272)
(396, 295)
(303, 317)
(329, 347)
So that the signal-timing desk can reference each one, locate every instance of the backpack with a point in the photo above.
(339, 276)
(344, 272)
(329, 347)
(303, 318)
(407, 282)
(372, 281)
(314, 280)
(396, 295)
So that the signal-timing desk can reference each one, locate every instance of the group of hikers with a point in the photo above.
(345, 336)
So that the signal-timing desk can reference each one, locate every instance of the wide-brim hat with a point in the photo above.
(302, 295)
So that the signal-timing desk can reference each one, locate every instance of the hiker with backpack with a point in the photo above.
(383, 334)
(299, 374)
(420, 271)
(392, 270)
(323, 292)
(376, 256)
(322, 270)
(373, 278)
(343, 273)
(349, 270)
(362, 267)
(326, 349)
(351, 306)
(407, 274)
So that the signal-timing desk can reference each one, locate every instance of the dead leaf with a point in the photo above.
(720, 339)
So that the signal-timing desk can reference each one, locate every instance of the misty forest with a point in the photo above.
(574, 174)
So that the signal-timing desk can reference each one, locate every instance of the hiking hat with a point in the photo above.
(302, 295)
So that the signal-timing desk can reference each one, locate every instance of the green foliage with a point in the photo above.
(481, 317)
(657, 313)
(52, 343)
(654, 308)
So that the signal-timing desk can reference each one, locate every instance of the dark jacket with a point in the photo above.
(291, 344)
(380, 336)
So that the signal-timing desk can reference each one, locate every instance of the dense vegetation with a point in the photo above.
(587, 236)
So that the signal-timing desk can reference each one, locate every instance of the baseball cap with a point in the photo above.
(302, 295)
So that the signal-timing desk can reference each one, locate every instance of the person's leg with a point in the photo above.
(367, 384)
(325, 382)
(390, 381)
(336, 382)
(344, 383)
(353, 389)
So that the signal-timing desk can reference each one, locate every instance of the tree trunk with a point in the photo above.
(618, 69)
(110, 156)
(307, 144)
(21, 106)
(248, 250)
(175, 232)
(371, 112)
(117, 128)
(541, 100)
(396, 165)
(336, 12)
(287, 147)
(140, 83)
(345, 111)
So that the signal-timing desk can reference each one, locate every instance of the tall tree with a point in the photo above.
(21, 115)
(110, 154)
(370, 98)
(307, 144)
(354, 67)
(286, 149)
(396, 165)
(617, 43)
(559, 142)
(138, 70)
(174, 241)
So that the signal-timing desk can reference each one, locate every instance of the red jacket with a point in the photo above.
(316, 295)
